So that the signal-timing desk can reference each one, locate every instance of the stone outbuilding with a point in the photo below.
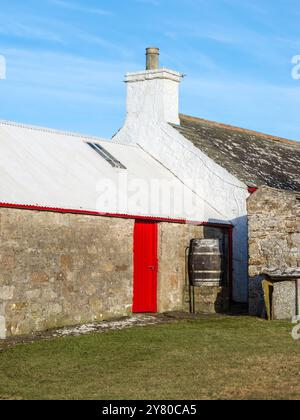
(92, 229)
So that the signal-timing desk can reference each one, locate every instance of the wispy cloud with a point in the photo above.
(65, 75)
(63, 90)
(149, 2)
(118, 48)
(210, 31)
(245, 40)
(40, 28)
(250, 5)
(80, 8)
(32, 28)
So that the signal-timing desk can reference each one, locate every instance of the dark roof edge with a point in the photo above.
(242, 130)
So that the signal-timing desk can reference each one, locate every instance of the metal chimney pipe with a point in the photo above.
(152, 55)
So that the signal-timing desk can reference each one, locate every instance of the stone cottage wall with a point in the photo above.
(173, 241)
(65, 269)
(62, 269)
(274, 239)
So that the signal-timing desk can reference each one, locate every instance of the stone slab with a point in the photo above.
(284, 300)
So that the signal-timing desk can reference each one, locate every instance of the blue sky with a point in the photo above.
(66, 60)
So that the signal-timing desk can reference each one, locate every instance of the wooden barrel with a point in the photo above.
(206, 262)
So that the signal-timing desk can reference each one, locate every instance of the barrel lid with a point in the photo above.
(206, 242)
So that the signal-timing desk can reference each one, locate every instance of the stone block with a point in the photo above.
(39, 278)
(22, 327)
(55, 309)
(284, 300)
(208, 299)
(49, 295)
(7, 292)
(66, 262)
(7, 262)
(33, 294)
(19, 306)
(90, 289)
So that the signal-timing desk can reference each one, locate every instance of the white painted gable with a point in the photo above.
(222, 192)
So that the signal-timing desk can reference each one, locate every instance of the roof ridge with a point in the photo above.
(59, 132)
(244, 130)
(50, 130)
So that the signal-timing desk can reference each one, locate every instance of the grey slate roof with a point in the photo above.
(254, 158)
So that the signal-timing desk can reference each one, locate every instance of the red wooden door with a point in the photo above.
(145, 267)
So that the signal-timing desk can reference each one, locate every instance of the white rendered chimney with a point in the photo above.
(154, 93)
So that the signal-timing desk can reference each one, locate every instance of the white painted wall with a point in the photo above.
(161, 106)
(151, 104)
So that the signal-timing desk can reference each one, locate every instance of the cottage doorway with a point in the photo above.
(145, 267)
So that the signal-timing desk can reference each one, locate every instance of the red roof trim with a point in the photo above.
(113, 215)
(252, 190)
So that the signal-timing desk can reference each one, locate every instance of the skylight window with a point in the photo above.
(115, 163)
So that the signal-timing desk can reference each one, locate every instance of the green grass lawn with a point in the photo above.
(222, 358)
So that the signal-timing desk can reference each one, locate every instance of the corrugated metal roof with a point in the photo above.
(47, 168)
